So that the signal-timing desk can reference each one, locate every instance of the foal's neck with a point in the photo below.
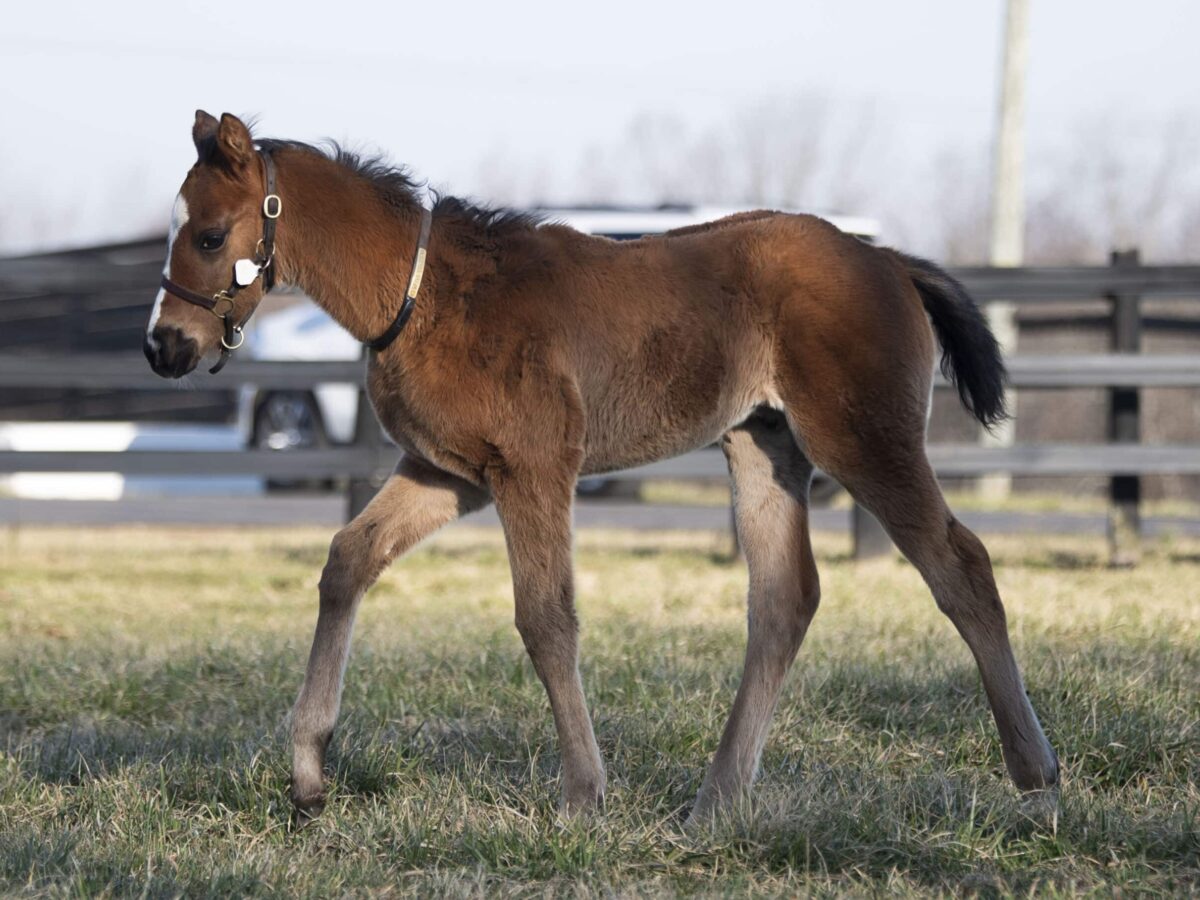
(343, 243)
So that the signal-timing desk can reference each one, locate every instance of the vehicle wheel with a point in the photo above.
(823, 490)
(288, 420)
(607, 488)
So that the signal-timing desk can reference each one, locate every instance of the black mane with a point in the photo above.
(492, 220)
(394, 183)
(398, 187)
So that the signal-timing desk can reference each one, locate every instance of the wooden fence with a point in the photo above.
(366, 461)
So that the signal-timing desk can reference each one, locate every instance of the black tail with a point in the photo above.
(971, 358)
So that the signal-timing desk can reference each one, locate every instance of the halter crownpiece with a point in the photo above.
(245, 273)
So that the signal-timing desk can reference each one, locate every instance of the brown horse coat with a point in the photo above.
(537, 354)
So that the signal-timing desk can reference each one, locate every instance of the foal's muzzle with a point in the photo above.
(171, 354)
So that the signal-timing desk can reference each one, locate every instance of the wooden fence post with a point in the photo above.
(870, 540)
(1124, 426)
(367, 436)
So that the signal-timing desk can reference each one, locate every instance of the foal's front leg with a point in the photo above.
(536, 514)
(416, 501)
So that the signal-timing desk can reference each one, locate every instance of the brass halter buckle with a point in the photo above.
(272, 206)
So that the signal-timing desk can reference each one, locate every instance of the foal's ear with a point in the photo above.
(234, 141)
(204, 129)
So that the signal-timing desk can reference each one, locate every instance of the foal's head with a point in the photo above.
(216, 226)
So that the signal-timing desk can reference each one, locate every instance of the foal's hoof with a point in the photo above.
(707, 819)
(712, 806)
(308, 807)
(1041, 807)
(580, 801)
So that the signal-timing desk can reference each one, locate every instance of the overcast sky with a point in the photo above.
(98, 98)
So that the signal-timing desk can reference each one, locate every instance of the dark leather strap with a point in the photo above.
(269, 217)
(187, 294)
(227, 344)
(385, 340)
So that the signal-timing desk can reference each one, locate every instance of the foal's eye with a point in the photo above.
(212, 240)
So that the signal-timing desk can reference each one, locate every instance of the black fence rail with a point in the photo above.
(366, 461)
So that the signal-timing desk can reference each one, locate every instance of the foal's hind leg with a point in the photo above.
(770, 483)
(416, 501)
(883, 464)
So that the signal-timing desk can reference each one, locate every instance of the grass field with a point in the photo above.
(145, 676)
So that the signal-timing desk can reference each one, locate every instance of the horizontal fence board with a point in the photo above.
(1103, 370)
(1066, 459)
(133, 373)
(294, 464)
(49, 275)
(947, 459)
(1054, 284)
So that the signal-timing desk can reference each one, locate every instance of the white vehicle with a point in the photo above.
(283, 420)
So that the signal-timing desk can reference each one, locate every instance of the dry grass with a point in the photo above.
(146, 675)
(717, 493)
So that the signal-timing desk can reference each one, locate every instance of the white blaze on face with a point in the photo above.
(179, 217)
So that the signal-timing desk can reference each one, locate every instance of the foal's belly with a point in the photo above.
(607, 454)
(671, 389)
(625, 430)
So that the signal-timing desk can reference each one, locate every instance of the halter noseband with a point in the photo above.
(245, 273)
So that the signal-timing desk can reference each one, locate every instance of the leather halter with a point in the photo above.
(221, 304)
(384, 341)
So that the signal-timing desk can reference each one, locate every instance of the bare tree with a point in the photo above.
(1118, 185)
(1112, 183)
(792, 152)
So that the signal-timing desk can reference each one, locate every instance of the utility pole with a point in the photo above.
(1007, 243)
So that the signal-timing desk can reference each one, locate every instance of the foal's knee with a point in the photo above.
(548, 631)
(344, 569)
(783, 619)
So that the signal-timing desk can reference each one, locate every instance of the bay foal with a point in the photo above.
(535, 354)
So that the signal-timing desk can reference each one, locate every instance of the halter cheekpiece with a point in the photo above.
(247, 271)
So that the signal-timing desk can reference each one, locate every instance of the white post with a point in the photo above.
(1008, 212)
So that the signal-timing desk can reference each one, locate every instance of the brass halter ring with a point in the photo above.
(241, 339)
(260, 253)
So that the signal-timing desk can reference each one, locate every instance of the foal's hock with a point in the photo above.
(511, 356)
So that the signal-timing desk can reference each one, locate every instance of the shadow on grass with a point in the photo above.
(1060, 561)
(215, 747)
(834, 809)
(972, 833)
